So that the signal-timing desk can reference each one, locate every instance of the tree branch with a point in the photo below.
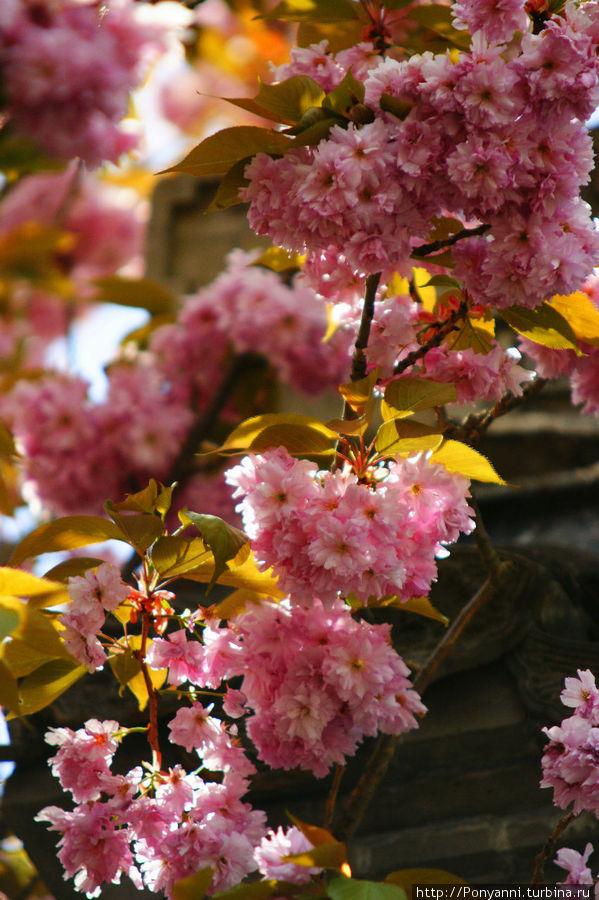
(473, 428)
(547, 851)
(426, 249)
(437, 339)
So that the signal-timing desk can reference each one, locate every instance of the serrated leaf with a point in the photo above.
(219, 152)
(399, 437)
(543, 325)
(125, 666)
(314, 11)
(46, 684)
(347, 93)
(301, 435)
(174, 555)
(460, 458)
(24, 584)
(326, 856)
(235, 604)
(407, 395)
(226, 542)
(421, 606)
(284, 102)
(279, 260)
(580, 313)
(227, 193)
(140, 293)
(22, 659)
(405, 878)
(476, 334)
(247, 576)
(9, 689)
(358, 393)
(79, 565)
(67, 533)
(352, 889)
(140, 530)
(193, 887)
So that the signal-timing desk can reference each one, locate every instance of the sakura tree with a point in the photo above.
(421, 187)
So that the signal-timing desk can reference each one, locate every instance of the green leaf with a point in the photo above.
(406, 878)
(227, 193)
(174, 555)
(407, 395)
(442, 281)
(314, 11)
(543, 325)
(9, 620)
(193, 887)
(399, 437)
(473, 333)
(439, 19)
(67, 533)
(141, 293)
(140, 530)
(226, 542)
(125, 666)
(301, 435)
(395, 105)
(79, 565)
(260, 890)
(284, 102)
(46, 684)
(348, 93)
(217, 153)
(22, 659)
(460, 458)
(318, 131)
(352, 889)
(155, 498)
(327, 856)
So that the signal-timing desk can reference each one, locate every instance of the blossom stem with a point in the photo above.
(152, 693)
(376, 767)
(547, 851)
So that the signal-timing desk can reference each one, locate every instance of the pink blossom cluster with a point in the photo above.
(326, 533)
(393, 335)
(570, 758)
(77, 453)
(157, 828)
(495, 137)
(93, 595)
(315, 681)
(68, 68)
(280, 843)
(249, 308)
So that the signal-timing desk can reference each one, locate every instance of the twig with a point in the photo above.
(329, 811)
(473, 428)
(438, 338)
(487, 552)
(376, 767)
(359, 362)
(547, 851)
(434, 247)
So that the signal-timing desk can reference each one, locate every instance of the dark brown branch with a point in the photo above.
(473, 428)
(442, 243)
(547, 851)
(359, 361)
(437, 339)
(329, 811)
(376, 767)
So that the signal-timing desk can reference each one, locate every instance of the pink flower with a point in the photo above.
(274, 846)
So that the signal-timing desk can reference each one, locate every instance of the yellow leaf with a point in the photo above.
(46, 684)
(246, 576)
(236, 603)
(408, 395)
(458, 457)
(422, 606)
(193, 887)
(580, 313)
(399, 437)
(301, 435)
(137, 684)
(23, 584)
(428, 295)
(397, 286)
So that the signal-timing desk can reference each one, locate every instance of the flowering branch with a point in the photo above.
(547, 851)
(437, 339)
(434, 246)
(473, 428)
(376, 767)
